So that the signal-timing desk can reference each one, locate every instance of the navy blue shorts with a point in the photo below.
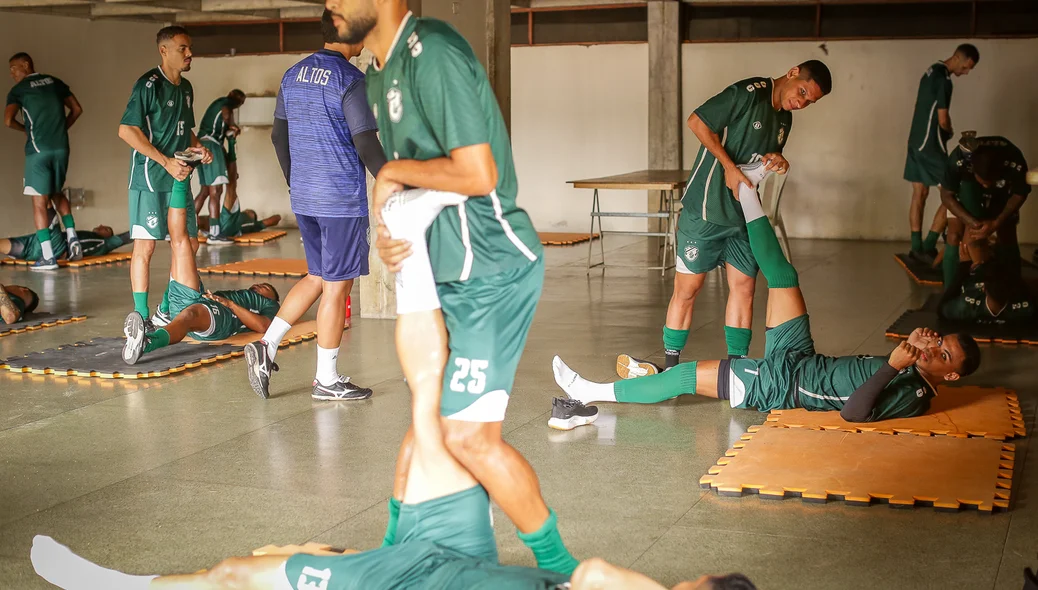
(336, 247)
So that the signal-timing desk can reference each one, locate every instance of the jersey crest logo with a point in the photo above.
(414, 45)
(758, 85)
(749, 88)
(757, 125)
(396, 104)
(169, 104)
(920, 393)
(691, 252)
(1001, 184)
(153, 221)
(782, 135)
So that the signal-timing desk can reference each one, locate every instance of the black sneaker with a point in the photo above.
(926, 258)
(75, 250)
(567, 414)
(259, 365)
(342, 389)
(136, 339)
(45, 264)
(219, 240)
(628, 367)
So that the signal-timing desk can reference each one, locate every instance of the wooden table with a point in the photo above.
(669, 183)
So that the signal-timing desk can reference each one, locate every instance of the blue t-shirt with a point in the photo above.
(328, 178)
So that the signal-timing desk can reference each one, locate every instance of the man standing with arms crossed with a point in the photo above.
(750, 119)
(157, 123)
(216, 122)
(927, 151)
(324, 135)
(42, 101)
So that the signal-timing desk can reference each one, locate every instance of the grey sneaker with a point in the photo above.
(75, 250)
(259, 365)
(134, 330)
(219, 240)
(567, 414)
(45, 264)
(342, 389)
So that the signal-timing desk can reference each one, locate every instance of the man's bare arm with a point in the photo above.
(710, 140)
(136, 139)
(469, 171)
(74, 110)
(253, 321)
(944, 120)
(9, 118)
(955, 207)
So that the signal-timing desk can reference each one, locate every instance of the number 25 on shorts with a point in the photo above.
(471, 370)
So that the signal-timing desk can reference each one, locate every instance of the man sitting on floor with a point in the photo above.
(987, 289)
(235, 222)
(791, 374)
(202, 314)
(15, 302)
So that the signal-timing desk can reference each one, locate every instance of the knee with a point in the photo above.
(229, 573)
(685, 291)
(741, 287)
(469, 440)
(144, 248)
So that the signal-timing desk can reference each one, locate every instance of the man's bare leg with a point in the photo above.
(679, 314)
(331, 318)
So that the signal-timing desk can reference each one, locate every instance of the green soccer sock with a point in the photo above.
(140, 303)
(548, 549)
(950, 264)
(673, 342)
(68, 221)
(738, 340)
(43, 236)
(917, 241)
(156, 340)
(653, 389)
(779, 273)
(930, 243)
(181, 193)
(394, 515)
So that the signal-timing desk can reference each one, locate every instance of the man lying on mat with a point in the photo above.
(202, 314)
(15, 302)
(235, 222)
(988, 289)
(101, 240)
(792, 374)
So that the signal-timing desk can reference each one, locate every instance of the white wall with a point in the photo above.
(99, 60)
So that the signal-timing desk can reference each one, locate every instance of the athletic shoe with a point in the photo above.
(342, 389)
(259, 365)
(754, 171)
(219, 240)
(134, 330)
(161, 319)
(628, 367)
(926, 258)
(567, 414)
(75, 250)
(48, 264)
(190, 158)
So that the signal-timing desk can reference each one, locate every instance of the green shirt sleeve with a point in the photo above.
(62, 89)
(722, 108)
(14, 96)
(136, 112)
(189, 120)
(905, 397)
(446, 90)
(112, 243)
(953, 171)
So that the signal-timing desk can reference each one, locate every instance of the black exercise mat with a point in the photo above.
(102, 358)
(38, 321)
(927, 317)
(924, 274)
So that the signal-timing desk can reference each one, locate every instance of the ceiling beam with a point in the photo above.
(126, 9)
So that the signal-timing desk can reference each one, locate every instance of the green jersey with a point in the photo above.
(96, 245)
(213, 124)
(41, 99)
(749, 127)
(971, 304)
(987, 203)
(935, 92)
(826, 383)
(162, 110)
(430, 97)
(251, 301)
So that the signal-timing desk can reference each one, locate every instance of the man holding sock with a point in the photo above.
(792, 374)
(749, 119)
(983, 190)
(931, 129)
(42, 101)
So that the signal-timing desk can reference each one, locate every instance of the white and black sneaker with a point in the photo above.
(75, 250)
(259, 365)
(755, 171)
(160, 319)
(567, 414)
(628, 367)
(191, 158)
(342, 390)
(218, 240)
(45, 264)
(136, 338)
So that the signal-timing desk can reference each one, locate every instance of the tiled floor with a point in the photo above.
(175, 474)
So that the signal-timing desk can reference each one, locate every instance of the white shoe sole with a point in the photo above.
(42, 268)
(252, 367)
(134, 340)
(628, 368)
(571, 422)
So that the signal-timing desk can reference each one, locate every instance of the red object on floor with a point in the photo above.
(349, 311)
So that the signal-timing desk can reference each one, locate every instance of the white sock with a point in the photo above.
(580, 388)
(71, 233)
(58, 565)
(214, 229)
(48, 250)
(275, 334)
(327, 365)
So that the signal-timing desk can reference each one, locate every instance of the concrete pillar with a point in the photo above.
(665, 116)
(487, 26)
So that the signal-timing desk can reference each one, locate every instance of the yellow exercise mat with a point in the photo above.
(253, 238)
(564, 238)
(296, 334)
(38, 321)
(860, 468)
(988, 412)
(275, 267)
(109, 258)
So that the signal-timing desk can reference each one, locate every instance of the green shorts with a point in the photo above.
(215, 172)
(926, 167)
(28, 247)
(149, 213)
(703, 246)
(488, 319)
(235, 222)
(45, 172)
(222, 323)
(767, 383)
(430, 536)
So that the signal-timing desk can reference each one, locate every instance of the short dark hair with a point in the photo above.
(970, 354)
(22, 56)
(988, 163)
(277, 297)
(328, 30)
(30, 306)
(237, 93)
(167, 33)
(814, 69)
(731, 582)
(969, 51)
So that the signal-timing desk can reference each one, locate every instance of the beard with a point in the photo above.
(353, 31)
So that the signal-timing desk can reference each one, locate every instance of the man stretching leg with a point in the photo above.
(216, 123)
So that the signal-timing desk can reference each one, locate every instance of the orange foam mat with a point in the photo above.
(276, 267)
(296, 334)
(563, 238)
(254, 238)
(110, 258)
(988, 412)
(37, 321)
(861, 468)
